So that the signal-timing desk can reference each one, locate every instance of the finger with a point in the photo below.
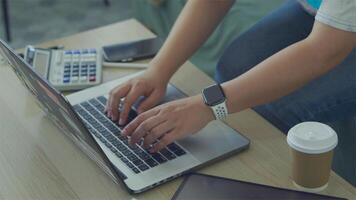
(130, 99)
(145, 127)
(157, 132)
(114, 100)
(166, 140)
(149, 102)
(131, 127)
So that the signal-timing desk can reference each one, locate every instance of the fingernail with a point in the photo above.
(121, 122)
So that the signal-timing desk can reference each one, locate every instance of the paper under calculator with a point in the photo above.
(67, 69)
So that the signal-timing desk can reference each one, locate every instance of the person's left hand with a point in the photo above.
(168, 122)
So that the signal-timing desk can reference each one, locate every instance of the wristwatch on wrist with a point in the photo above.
(214, 97)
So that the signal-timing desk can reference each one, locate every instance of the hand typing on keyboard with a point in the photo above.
(168, 122)
(149, 85)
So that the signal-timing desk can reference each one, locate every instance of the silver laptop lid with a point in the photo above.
(58, 109)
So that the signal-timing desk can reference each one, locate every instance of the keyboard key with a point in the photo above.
(137, 162)
(150, 162)
(113, 149)
(130, 165)
(118, 154)
(108, 145)
(176, 149)
(166, 153)
(102, 99)
(123, 159)
(159, 158)
(143, 167)
(77, 107)
(136, 170)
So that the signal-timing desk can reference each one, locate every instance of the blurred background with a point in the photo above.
(35, 21)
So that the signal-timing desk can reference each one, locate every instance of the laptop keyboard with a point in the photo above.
(134, 156)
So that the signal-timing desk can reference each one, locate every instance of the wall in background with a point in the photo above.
(35, 21)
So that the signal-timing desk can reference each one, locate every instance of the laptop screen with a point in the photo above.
(57, 109)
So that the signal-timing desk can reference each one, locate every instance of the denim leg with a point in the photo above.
(329, 98)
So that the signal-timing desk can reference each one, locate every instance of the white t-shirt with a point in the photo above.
(339, 14)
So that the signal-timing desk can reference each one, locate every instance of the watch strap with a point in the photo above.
(220, 111)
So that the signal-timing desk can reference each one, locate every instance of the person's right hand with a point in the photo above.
(149, 85)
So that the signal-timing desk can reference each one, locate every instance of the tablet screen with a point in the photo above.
(199, 186)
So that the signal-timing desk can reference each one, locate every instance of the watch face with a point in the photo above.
(213, 95)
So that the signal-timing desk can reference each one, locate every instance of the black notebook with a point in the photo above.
(200, 186)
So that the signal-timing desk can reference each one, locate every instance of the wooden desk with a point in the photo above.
(38, 162)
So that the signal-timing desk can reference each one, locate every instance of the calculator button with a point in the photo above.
(76, 52)
(75, 78)
(83, 78)
(85, 51)
(92, 51)
(84, 66)
(66, 65)
(66, 79)
(68, 52)
(92, 78)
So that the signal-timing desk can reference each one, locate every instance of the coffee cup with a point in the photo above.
(312, 145)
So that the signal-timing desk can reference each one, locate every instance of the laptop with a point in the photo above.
(81, 117)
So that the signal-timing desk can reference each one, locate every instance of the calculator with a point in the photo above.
(66, 69)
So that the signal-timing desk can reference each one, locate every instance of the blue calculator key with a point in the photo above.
(66, 80)
(68, 52)
(66, 75)
(76, 52)
(92, 50)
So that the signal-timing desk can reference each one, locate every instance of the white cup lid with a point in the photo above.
(312, 138)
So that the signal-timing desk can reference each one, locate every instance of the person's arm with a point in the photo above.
(282, 73)
(194, 25)
(196, 22)
(290, 69)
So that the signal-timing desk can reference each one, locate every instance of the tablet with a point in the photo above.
(199, 186)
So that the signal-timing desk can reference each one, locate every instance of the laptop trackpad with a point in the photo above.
(215, 140)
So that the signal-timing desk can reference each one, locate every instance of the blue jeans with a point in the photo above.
(329, 98)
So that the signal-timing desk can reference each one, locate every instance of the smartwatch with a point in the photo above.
(215, 98)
